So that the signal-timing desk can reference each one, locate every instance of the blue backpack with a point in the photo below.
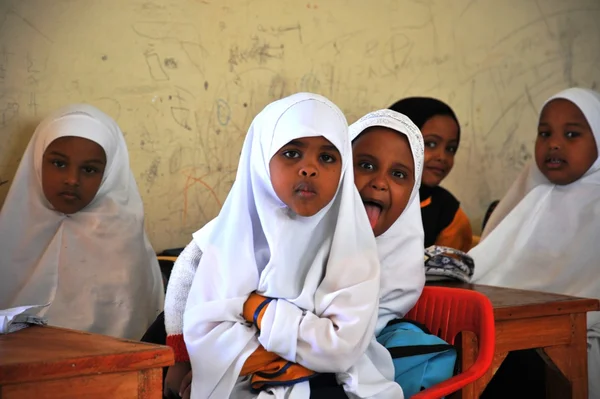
(421, 359)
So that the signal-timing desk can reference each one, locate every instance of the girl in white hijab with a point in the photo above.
(543, 234)
(72, 230)
(285, 235)
(388, 162)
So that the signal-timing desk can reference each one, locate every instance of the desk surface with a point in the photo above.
(516, 304)
(40, 353)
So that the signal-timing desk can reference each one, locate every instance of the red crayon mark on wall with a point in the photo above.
(191, 181)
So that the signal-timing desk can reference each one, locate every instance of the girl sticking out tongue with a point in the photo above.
(388, 161)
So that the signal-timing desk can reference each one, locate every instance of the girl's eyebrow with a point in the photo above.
(432, 135)
(576, 124)
(368, 156)
(297, 143)
(301, 144)
(401, 165)
(329, 147)
(58, 154)
(98, 161)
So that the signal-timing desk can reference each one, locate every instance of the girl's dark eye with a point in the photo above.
(366, 165)
(327, 158)
(58, 163)
(399, 174)
(291, 154)
(89, 170)
(430, 144)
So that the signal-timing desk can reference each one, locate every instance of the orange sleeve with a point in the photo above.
(255, 303)
(458, 234)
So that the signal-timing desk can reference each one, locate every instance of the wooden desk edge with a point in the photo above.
(576, 305)
(148, 359)
(559, 304)
(145, 356)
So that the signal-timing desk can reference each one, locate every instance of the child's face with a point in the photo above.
(305, 174)
(384, 175)
(72, 170)
(565, 147)
(440, 134)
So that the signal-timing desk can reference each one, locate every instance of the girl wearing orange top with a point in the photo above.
(444, 221)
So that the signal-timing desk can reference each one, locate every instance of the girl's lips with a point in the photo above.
(554, 163)
(436, 170)
(69, 195)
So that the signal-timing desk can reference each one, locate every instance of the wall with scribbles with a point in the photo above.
(185, 78)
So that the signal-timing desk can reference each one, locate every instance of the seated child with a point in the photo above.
(72, 230)
(283, 284)
(388, 160)
(444, 221)
(543, 234)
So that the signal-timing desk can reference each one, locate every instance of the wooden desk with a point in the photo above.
(555, 324)
(54, 363)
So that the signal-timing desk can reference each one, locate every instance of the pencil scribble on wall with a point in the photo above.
(185, 82)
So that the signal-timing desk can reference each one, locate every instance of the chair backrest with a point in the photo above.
(166, 261)
(448, 311)
(166, 266)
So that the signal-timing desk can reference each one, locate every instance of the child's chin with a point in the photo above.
(432, 181)
(559, 179)
(305, 213)
(378, 230)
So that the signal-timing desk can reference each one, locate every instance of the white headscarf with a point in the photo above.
(96, 267)
(543, 236)
(401, 246)
(324, 269)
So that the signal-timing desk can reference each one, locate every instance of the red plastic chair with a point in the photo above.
(448, 311)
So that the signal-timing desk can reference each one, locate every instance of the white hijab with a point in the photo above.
(323, 269)
(96, 267)
(401, 246)
(543, 236)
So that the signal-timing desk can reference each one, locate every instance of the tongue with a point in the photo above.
(373, 212)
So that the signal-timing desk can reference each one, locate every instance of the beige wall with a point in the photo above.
(185, 78)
